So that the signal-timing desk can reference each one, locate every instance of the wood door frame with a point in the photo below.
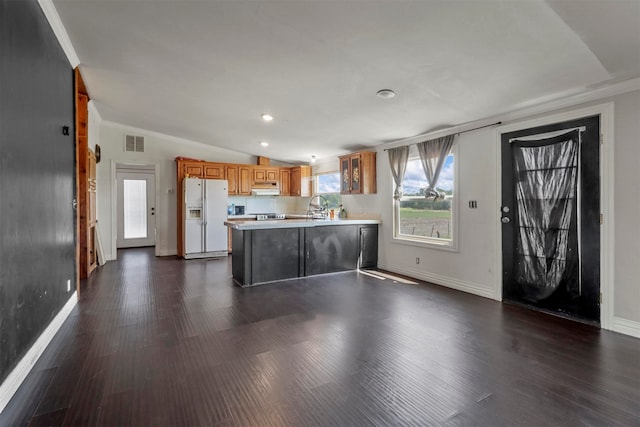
(114, 202)
(605, 111)
(81, 150)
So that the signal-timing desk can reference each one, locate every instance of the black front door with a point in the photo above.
(551, 218)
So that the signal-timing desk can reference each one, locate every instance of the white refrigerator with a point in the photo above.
(205, 211)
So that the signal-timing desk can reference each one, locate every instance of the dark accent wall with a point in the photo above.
(37, 249)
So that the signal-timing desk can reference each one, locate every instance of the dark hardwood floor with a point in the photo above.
(162, 341)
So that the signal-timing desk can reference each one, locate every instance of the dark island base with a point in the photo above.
(267, 255)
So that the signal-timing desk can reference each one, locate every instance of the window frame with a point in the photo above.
(315, 181)
(431, 242)
(315, 184)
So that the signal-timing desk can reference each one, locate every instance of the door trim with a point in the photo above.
(605, 111)
(114, 201)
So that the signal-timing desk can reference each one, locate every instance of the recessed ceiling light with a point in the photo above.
(267, 117)
(386, 93)
(264, 143)
(313, 159)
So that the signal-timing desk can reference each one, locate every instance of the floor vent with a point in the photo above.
(134, 143)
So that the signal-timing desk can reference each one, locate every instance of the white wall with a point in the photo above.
(627, 206)
(94, 126)
(472, 267)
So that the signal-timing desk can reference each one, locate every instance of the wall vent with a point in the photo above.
(134, 143)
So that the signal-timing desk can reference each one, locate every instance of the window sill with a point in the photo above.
(427, 244)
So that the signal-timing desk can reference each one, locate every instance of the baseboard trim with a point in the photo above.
(627, 327)
(449, 282)
(20, 372)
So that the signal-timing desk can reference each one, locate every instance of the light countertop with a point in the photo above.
(295, 223)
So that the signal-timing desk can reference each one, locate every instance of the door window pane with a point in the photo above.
(135, 208)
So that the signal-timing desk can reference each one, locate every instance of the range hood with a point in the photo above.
(265, 188)
(257, 191)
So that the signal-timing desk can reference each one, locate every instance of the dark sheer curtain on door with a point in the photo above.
(547, 246)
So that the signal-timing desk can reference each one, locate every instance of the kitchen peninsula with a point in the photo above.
(268, 251)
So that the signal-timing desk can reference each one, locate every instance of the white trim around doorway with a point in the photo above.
(605, 111)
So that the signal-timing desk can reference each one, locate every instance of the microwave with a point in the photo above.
(239, 210)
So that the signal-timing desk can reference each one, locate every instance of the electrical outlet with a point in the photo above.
(417, 260)
(68, 285)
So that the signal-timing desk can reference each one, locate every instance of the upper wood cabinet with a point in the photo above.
(358, 173)
(239, 180)
(285, 182)
(193, 170)
(244, 180)
(262, 174)
(214, 170)
(231, 173)
(301, 181)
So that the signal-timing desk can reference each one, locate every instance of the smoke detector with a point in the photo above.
(385, 93)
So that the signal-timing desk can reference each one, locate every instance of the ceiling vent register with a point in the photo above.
(134, 143)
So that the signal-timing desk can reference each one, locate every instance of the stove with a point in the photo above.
(269, 216)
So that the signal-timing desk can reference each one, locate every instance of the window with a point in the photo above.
(135, 208)
(328, 184)
(427, 221)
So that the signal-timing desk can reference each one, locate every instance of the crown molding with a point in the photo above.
(568, 100)
(52, 16)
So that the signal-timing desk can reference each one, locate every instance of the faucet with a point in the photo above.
(318, 207)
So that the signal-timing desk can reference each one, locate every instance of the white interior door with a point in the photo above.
(136, 208)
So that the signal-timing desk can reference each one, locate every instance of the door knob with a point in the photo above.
(506, 209)
(505, 220)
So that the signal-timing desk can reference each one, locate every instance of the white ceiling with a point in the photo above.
(206, 70)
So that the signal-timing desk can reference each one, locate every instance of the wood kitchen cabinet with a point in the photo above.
(231, 173)
(358, 173)
(285, 182)
(195, 170)
(301, 181)
(214, 170)
(244, 180)
(239, 179)
(262, 175)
